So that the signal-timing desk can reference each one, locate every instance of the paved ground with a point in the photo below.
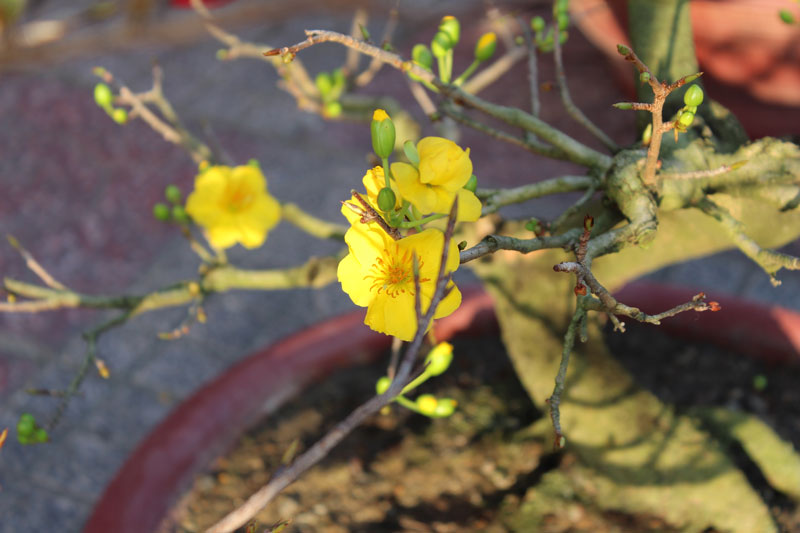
(77, 191)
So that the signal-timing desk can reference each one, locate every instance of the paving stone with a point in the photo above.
(33, 508)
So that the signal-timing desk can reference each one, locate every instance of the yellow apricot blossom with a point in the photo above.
(378, 274)
(443, 170)
(233, 205)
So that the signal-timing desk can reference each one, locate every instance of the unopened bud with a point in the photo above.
(441, 44)
(623, 50)
(644, 77)
(439, 359)
(452, 28)
(427, 403)
(173, 194)
(786, 16)
(486, 46)
(161, 212)
(386, 199)
(332, 109)
(102, 95)
(383, 134)
(120, 116)
(445, 407)
(382, 385)
(537, 24)
(179, 214)
(563, 20)
(623, 105)
(324, 83)
(693, 96)
(422, 56)
(686, 119)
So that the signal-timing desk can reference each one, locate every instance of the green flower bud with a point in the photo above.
(422, 56)
(439, 359)
(623, 105)
(254, 163)
(472, 183)
(623, 50)
(338, 78)
(411, 152)
(382, 385)
(161, 212)
(563, 36)
(427, 403)
(538, 23)
(462, 246)
(445, 407)
(103, 95)
(222, 54)
(647, 134)
(486, 46)
(441, 44)
(40, 435)
(364, 32)
(386, 199)
(179, 214)
(173, 194)
(690, 79)
(332, 109)
(563, 20)
(760, 382)
(560, 6)
(24, 439)
(452, 28)
(786, 16)
(324, 83)
(644, 77)
(26, 425)
(383, 134)
(120, 116)
(693, 96)
(686, 119)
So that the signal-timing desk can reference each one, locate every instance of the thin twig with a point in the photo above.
(699, 174)
(351, 57)
(576, 151)
(493, 243)
(555, 399)
(34, 265)
(494, 199)
(375, 65)
(566, 98)
(529, 144)
(322, 447)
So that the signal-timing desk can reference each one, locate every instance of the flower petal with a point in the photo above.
(351, 276)
(469, 207)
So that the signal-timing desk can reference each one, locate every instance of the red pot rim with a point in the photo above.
(142, 491)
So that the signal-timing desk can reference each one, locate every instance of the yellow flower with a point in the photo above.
(378, 274)
(444, 168)
(374, 181)
(233, 205)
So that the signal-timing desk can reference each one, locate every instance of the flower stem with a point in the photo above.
(467, 73)
(415, 223)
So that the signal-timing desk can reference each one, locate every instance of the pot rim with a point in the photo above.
(163, 464)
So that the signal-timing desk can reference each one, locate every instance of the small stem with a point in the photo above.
(467, 73)
(416, 223)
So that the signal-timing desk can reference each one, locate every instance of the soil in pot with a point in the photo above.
(469, 472)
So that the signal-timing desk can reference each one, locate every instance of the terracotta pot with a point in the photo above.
(751, 59)
(164, 463)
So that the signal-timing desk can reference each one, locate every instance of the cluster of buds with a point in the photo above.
(442, 46)
(331, 85)
(692, 98)
(175, 210)
(104, 99)
(29, 432)
(543, 37)
(436, 363)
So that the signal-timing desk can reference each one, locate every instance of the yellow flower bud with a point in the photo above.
(383, 134)
(486, 46)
